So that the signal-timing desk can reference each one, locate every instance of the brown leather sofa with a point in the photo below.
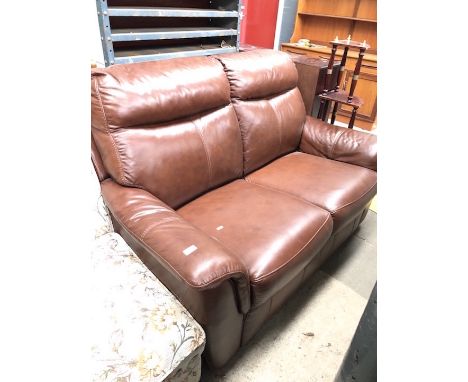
(216, 178)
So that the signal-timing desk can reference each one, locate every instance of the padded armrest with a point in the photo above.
(339, 143)
(182, 249)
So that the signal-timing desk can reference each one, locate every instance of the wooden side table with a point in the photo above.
(332, 93)
(312, 73)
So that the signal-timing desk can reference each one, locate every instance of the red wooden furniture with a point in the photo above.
(258, 25)
(333, 93)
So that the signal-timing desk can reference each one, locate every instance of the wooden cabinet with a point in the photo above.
(366, 88)
(312, 74)
(320, 21)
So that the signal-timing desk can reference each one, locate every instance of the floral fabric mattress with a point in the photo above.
(141, 332)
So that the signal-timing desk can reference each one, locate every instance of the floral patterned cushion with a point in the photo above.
(141, 332)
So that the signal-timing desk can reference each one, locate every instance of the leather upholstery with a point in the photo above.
(273, 234)
(340, 188)
(268, 104)
(97, 162)
(178, 110)
(215, 308)
(257, 316)
(167, 235)
(339, 143)
(146, 94)
(259, 73)
(200, 168)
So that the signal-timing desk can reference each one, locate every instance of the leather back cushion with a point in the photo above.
(167, 126)
(268, 104)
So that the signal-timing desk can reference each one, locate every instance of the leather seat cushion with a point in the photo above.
(274, 235)
(342, 189)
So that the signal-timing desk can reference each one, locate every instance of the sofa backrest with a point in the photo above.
(268, 104)
(167, 127)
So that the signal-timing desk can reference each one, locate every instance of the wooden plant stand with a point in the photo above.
(333, 93)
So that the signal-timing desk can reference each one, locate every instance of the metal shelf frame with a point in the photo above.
(169, 12)
(169, 33)
(166, 56)
(104, 27)
(108, 36)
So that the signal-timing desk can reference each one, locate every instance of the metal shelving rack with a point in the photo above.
(132, 31)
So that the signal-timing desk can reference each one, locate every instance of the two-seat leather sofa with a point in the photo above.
(216, 178)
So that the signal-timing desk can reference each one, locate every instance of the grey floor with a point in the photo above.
(355, 263)
(307, 339)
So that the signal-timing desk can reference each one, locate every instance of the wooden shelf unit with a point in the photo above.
(323, 20)
(337, 17)
(320, 21)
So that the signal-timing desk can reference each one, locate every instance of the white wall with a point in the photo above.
(285, 22)
(95, 47)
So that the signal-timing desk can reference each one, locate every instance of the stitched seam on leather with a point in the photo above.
(206, 152)
(240, 297)
(284, 193)
(156, 124)
(307, 201)
(268, 96)
(234, 253)
(147, 246)
(119, 161)
(230, 74)
(278, 153)
(261, 278)
(224, 246)
(271, 303)
(301, 132)
(243, 138)
(306, 141)
(158, 223)
(355, 200)
(245, 272)
(360, 163)
(366, 162)
(337, 137)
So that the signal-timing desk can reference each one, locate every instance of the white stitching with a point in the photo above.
(198, 286)
(98, 92)
(292, 258)
(210, 175)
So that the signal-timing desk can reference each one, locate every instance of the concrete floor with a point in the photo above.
(307, 339)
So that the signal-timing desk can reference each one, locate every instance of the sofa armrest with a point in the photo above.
(184, 251)
(339, 143)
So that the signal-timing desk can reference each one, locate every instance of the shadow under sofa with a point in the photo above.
(226, 190)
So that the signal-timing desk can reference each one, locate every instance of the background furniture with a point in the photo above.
(321, 21)
(259, 22)
(140, 331)
(312, 74)
(332, 93)
(147, 30)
